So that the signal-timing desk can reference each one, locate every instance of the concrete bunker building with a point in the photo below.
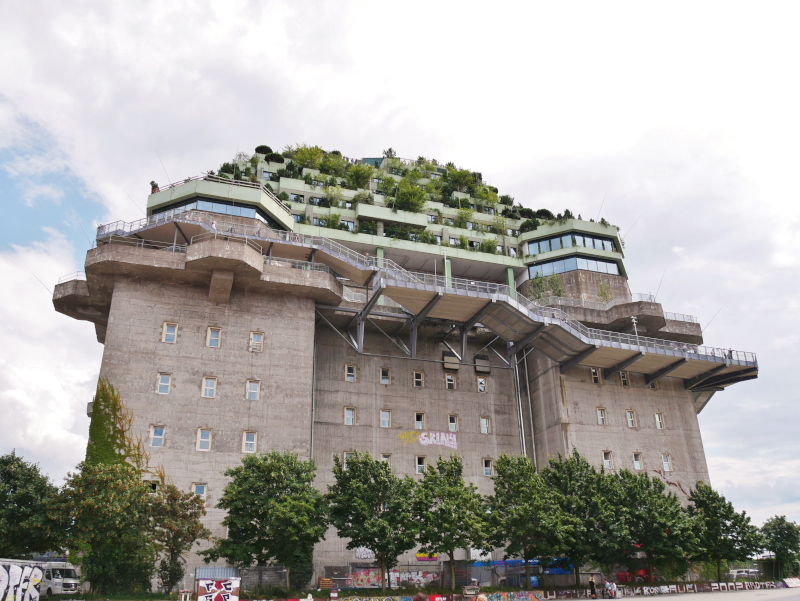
(234, 322)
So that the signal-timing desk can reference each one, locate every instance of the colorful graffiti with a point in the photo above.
(218, 590)
(516, 596)
(441, 439)
(427, 556)
(418, 578)
(20, 582)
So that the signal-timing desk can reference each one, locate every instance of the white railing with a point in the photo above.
(142, 243)
(681, 317)
(77, 275)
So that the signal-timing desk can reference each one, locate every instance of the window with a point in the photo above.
(569, 264)
(347, 457)
(419, 421)
(385, 375)
(351, 226)
(249, 442)
(296, 217)
(157, 436)
(601, 416)
(349, 416)
(209, 387)
(433, 219)
(419, 379)
(595, 376)
(199, 489)
(654, 385)
(623, 377)
(659, 421)
(486, 425)
(667, 461)
(487, 467)
(608, 460)
(164, 381)
(450, 381)
(170, 333)
(349, 373)
(453, 241)
(256, 342)
(452, 424)
(637, 461)
(253, 390)
(387, 457)
(203, 440)
(420, 465)
(631, 417)
(212, 337)
(481, 384)
(386, 419)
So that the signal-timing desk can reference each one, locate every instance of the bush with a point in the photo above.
(526, 213)
(529, 225)
(545, 214)
(463, 243)
(360, 175)
(364, 198)
(463, 217)
(263, 149)
(488, 246)
(368, 227)
(308, 156)
(334, 164)
(274, 157)
(507, 200)
(283, 196)
(410, 197)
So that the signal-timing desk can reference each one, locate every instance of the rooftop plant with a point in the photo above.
(263, 149)
(410, 197)
(463, 216)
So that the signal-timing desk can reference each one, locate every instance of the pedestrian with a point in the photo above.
(613, 589)
(592, 588)
(214, 224)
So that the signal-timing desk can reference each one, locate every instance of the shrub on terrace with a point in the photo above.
(410, 197)
(274, 157)
(529, 225)
(263, 149)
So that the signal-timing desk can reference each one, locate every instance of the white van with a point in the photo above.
(60, 578)
(49, 577)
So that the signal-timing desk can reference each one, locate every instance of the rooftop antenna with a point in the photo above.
(703, 330)
(631, 227)
(134, 203)
(659, 284)
(41, 282)
(601, 205)
(164, 168)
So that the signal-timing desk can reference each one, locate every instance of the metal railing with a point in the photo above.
(142, 243)
(295, 264)
(215, 235)
(77, 275)
(681, 317)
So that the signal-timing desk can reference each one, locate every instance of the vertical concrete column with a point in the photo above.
(510, 282)
(448, 274)
(379, 255)
(380, 228)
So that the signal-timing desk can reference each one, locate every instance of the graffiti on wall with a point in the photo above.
(516, 596)
(420, 578)
(20, 583)
(439, 439)
(364, 553)
(218, 590)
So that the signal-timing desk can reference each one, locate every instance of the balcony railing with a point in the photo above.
(681, 317)
(77, 275)
(230, 182)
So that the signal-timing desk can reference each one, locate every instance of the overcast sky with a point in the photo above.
(682, 115)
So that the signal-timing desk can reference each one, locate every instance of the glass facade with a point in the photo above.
(214, 206)
(568, 241)
(573, 264)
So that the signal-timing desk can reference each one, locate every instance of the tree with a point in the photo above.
(371, 506)
(448, 511)
(386, 184)
(725, 533)
(410, 197)
(176, 519)
(527, 517)
(111, 438)
(263, 149)
(360, 175)
(656, 522)
(782, 537)
(308, 156)
(592, 498)
(110, 507)
(28, 520)
(459, 178)
(389, 153)
(274, 511)
(463, 216)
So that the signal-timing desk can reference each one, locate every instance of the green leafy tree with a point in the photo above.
(29, 522)
(111, 438)
(274, 511)
(111, 507)
(371, 506)
(359, 176)
(448, 511)
(363, 197)
(463, 216)
(459, 178)
(725, 534)
(656, 522)
(555, 285)
(605, 294)
(527, 516)
(333, 164)
(593, 499)
(176, 520)
(782, 537)
(386, 184)
(335, 196)
(410, 197)
(308, 156)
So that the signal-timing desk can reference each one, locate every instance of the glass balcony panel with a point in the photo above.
(571, 264)
(533, 248)
(544, 246)
(582, 263)
(555, 243)
(547, 269)
(566, 241)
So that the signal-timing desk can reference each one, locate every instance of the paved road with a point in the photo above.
(774, 594)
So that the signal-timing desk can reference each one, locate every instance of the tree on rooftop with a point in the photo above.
(449, 512)
(359, 176)
(308, 156)
(389, 153)
(274, 511)
(386, 184)
(410, 197)
(371, 506)
(463, 217)
(333, 164)
(263, 149)
(782, 538)
(460, 178)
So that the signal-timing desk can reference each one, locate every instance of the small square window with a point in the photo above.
(487, 467)
(387, 457)
(667, 461)
(386, 419)
(450, 381)
(419, 421)
(349, 373)
(659, 421)
(349, 416)
(420, 464)
(204, 440)
(452, 423)
(481, 384)
(170, 333)
(608, 460)
(209, 387)
(486, 425)
(253, 390)
(249, 440)
(419, 379)
(212, 337)
(157, 436)
(654, 385)
(164, 382)
(199, 489)
(623, 377)
(256, 342)
(631, 417)
(385, 375)
(637, 461)
(601, 416)
(595, 376)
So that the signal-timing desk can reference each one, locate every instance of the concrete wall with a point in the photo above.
(586, 285)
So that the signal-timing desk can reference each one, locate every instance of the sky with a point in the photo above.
(678, 121)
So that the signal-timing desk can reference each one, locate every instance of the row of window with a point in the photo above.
(169, 335)
(624, 379)
(420, 462)
(450, 380)
(568, 241)
(573, 264)
(350, 419)
(638, 461)
(204, 437)
(208, 387)
(630, 418)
